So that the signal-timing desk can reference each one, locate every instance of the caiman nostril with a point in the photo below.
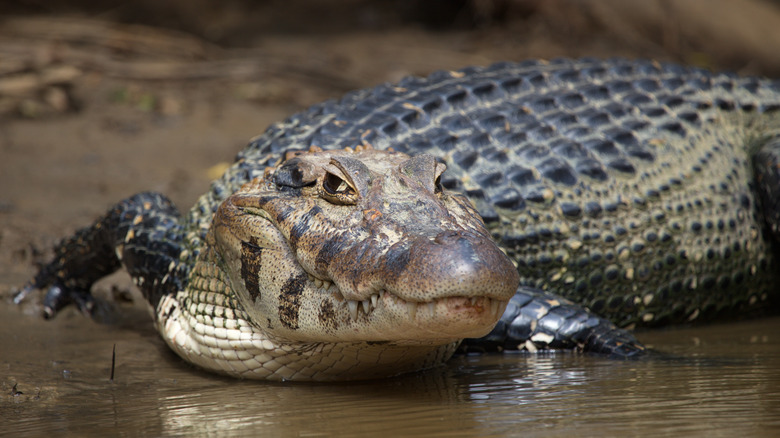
(447, 237)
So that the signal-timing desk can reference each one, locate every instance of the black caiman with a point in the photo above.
(368, 236)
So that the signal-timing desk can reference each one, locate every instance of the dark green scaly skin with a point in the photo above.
(646, 192)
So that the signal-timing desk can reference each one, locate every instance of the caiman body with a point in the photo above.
(647, 193)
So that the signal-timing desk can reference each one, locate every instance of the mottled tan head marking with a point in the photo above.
(361, 245)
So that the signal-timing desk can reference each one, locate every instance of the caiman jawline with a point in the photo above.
(412, 307)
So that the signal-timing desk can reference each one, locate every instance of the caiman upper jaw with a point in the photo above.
(455, 269)
(423, 269)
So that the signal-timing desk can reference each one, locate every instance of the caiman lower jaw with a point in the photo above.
(472, 305)
(478, 308)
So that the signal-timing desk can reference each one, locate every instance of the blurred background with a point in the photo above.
(271, 50)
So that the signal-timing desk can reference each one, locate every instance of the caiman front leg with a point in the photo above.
(141, 233)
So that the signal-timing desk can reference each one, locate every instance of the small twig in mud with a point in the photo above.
(113, 364)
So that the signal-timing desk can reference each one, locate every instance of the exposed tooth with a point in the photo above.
(494, 307)
(374, 300)
(366, 307)
(318, 283)
(411, 308)
(432, 308)
(353, 306)
(473, 300)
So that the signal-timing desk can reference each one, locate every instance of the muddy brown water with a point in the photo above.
(720, 380)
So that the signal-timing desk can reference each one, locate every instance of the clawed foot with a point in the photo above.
(617, 343)
(537, 320)
(58, 297)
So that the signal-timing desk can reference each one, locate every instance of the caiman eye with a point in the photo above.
(336, 190)
(438, 171)
(437, 188)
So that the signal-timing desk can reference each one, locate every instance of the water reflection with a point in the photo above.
(719, 380)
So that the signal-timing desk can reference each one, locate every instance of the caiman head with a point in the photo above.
(361, 246)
